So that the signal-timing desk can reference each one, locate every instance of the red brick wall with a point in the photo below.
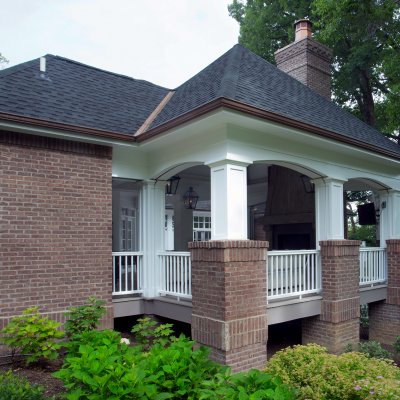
(229, 289)
(309, 62)
(393, 260)
(338, 324)
(55, 241)
(384, 322)
(384, 317)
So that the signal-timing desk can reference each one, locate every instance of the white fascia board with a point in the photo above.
(257, 126)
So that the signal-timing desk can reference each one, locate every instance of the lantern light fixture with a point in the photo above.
(172, 185)
(190, 199)
(309, 186)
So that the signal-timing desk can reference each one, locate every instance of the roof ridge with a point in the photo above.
(153, 115)
(204, 69)
(231, 76)
(105, 71)
(16, 68)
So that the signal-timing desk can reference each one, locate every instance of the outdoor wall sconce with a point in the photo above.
(190, 199)
(172, 185)
(307, 184)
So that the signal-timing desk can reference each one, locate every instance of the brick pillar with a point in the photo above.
(229, 297)
(338, 323)
(384, 317)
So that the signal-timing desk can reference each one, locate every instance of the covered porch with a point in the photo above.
(267, 237)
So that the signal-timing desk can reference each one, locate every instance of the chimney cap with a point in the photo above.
(303, 29)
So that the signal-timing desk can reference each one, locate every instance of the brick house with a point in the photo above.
(90, 161)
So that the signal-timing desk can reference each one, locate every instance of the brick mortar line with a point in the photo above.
(231, 320)
(46, 313)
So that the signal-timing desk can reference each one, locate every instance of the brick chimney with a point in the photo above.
(307, 60)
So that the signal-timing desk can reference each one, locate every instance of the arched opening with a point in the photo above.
(183, 224)
(286, 215)
(363, 205)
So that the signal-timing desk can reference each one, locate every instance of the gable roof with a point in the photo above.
(79, 95)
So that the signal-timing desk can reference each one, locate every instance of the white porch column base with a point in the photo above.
(152, 234)
(389, 215)
(329, 209)
(228, 200)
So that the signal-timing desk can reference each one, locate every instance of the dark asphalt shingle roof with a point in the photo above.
(77, 94)
(243, 76)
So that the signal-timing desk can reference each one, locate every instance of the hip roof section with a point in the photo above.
(78, 95)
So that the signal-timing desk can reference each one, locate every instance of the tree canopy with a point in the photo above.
(364, 36)
(3, 60)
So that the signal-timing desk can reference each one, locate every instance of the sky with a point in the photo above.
(163, 41)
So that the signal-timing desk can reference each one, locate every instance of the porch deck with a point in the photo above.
(294, 283)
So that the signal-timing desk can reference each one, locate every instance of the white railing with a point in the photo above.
(175, 274)
(293, 273)
(127, 272)
(373, 265)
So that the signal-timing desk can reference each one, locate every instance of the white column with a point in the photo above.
(389, 219)
(152, 234)
(228, 200)
(329, 209)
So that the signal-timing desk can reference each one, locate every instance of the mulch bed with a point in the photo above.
(38, 374)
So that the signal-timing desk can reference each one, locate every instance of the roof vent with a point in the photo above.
(303, 29)
(43, 65)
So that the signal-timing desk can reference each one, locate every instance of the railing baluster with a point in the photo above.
(373, 266)
(120, 274)
(127, 272)
(293, 273)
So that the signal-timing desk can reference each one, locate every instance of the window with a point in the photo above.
(128, 228)
(201, 226)
(126, 215)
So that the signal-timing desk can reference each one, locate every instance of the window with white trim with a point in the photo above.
(201, 226)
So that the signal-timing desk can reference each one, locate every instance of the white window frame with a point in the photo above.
(201, 226)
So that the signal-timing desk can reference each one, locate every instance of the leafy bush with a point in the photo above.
(84, 318)
(33, 335)
(14, 388)
(148, 332)
(253, 384)
(178, 370)
(364, 318)
(396, 345)
(102, 366)
(319, 375)
(374, 349)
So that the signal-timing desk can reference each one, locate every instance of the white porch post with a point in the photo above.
(329, 209)
(389, 215)
(228, 200)
(152, 234)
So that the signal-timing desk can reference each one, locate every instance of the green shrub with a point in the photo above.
(253, 384)
(318, 375)
(33, 335)
(374, 349)
(364, 317)
(396, 345)
(15, 388)
(84, 318)
(178, 370)
(101, 367)
(148, 332)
